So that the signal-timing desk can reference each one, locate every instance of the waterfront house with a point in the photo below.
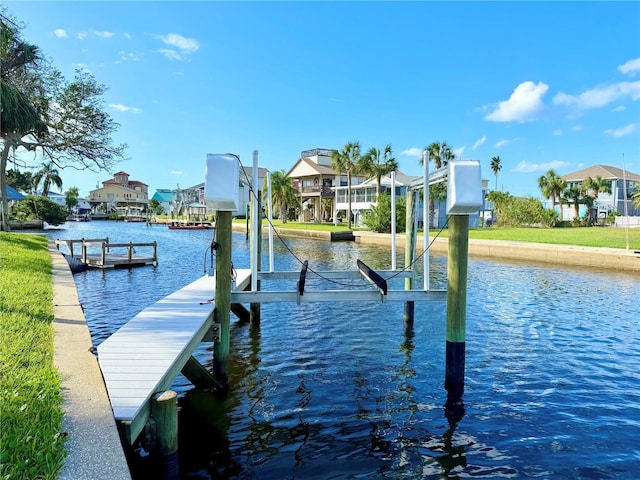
(314, 179)
(363, 195)
(120, 195)
(618, 200)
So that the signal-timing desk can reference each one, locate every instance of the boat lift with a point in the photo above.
(353, 291)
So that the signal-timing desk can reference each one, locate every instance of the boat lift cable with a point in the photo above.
(336, 282)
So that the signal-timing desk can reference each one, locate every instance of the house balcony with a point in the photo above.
(317, 189)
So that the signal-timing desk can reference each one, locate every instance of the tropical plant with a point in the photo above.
(552, 186)
(378, 164)
(574, 195)
(71, 198)
(346, 160)
(496, 166)
(40, 208)
(283, 194)
(61, 121)
(47, 175)
(19, 180)
(596, 185)
(155, 207)
(378, 218)
(440, 153)
(635, 196)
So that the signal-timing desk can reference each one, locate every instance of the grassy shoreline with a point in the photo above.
(30, 398)
(606, 237)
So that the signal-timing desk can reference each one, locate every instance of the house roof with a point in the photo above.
(163, 196)
(607, 172)
(308, 168)
(13, 194)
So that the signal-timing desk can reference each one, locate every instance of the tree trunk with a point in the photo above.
(4, 223)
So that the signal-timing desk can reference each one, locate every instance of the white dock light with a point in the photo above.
(222, 177)
(464, 194)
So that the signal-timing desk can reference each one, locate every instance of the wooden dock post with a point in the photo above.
(456, 302)
(409, 254)
(165, 412)
(223, 295)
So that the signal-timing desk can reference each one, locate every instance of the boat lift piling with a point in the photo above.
(256, 241)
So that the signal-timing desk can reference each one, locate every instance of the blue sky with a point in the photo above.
(541, 84)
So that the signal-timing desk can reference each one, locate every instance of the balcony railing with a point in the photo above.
(321, 152)
(324, 191)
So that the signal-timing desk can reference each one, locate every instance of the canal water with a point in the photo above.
(344, 391)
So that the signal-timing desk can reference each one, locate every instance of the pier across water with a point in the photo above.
(99, 253)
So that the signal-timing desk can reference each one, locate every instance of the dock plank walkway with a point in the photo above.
(145, 355)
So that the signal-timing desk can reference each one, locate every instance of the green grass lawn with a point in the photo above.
(583, 236)
(31, 446)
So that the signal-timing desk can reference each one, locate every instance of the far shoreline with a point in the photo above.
(544, 253)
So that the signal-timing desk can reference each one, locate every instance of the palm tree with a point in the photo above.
(440, 153)
(378, 164)
(496, 166)
(47, 175)
(346, 160)
(18, 114)
(71, 198)
(596, 185)
(574, 195)
(283, 194)
(635, 196)
(552, 186)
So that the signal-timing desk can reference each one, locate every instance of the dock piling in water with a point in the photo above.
(223, 295)
(456, 302)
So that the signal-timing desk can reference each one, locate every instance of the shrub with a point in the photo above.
(378, 218)
(40, 208)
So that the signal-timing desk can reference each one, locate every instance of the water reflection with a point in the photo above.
(334, 391)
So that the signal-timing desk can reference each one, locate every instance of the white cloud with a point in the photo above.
(501, 143)
(458, 152)
(81, 35)
(557, 132)
(130, 56)
(630, 67)
(60, 33)
(123, 108)
(600, 96)
(170, 54)
(177, 172)
(103, 34)
(184, 45)
(412, 152)
(529, 167)
(127, 36)
(479, 142)
(576, 128)
(620, 108)
(621, 132)
(524, 104)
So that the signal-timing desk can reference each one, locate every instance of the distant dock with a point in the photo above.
(99, 253)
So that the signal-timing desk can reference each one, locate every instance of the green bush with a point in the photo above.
(39, 208)
(378, 218)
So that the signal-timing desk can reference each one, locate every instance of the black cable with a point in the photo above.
(251, 191)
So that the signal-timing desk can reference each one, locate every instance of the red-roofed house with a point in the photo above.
(121, 195)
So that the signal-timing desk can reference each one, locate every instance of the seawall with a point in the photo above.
(553, 254)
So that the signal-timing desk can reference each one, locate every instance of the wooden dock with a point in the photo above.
(99, 253)
(145, 355)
